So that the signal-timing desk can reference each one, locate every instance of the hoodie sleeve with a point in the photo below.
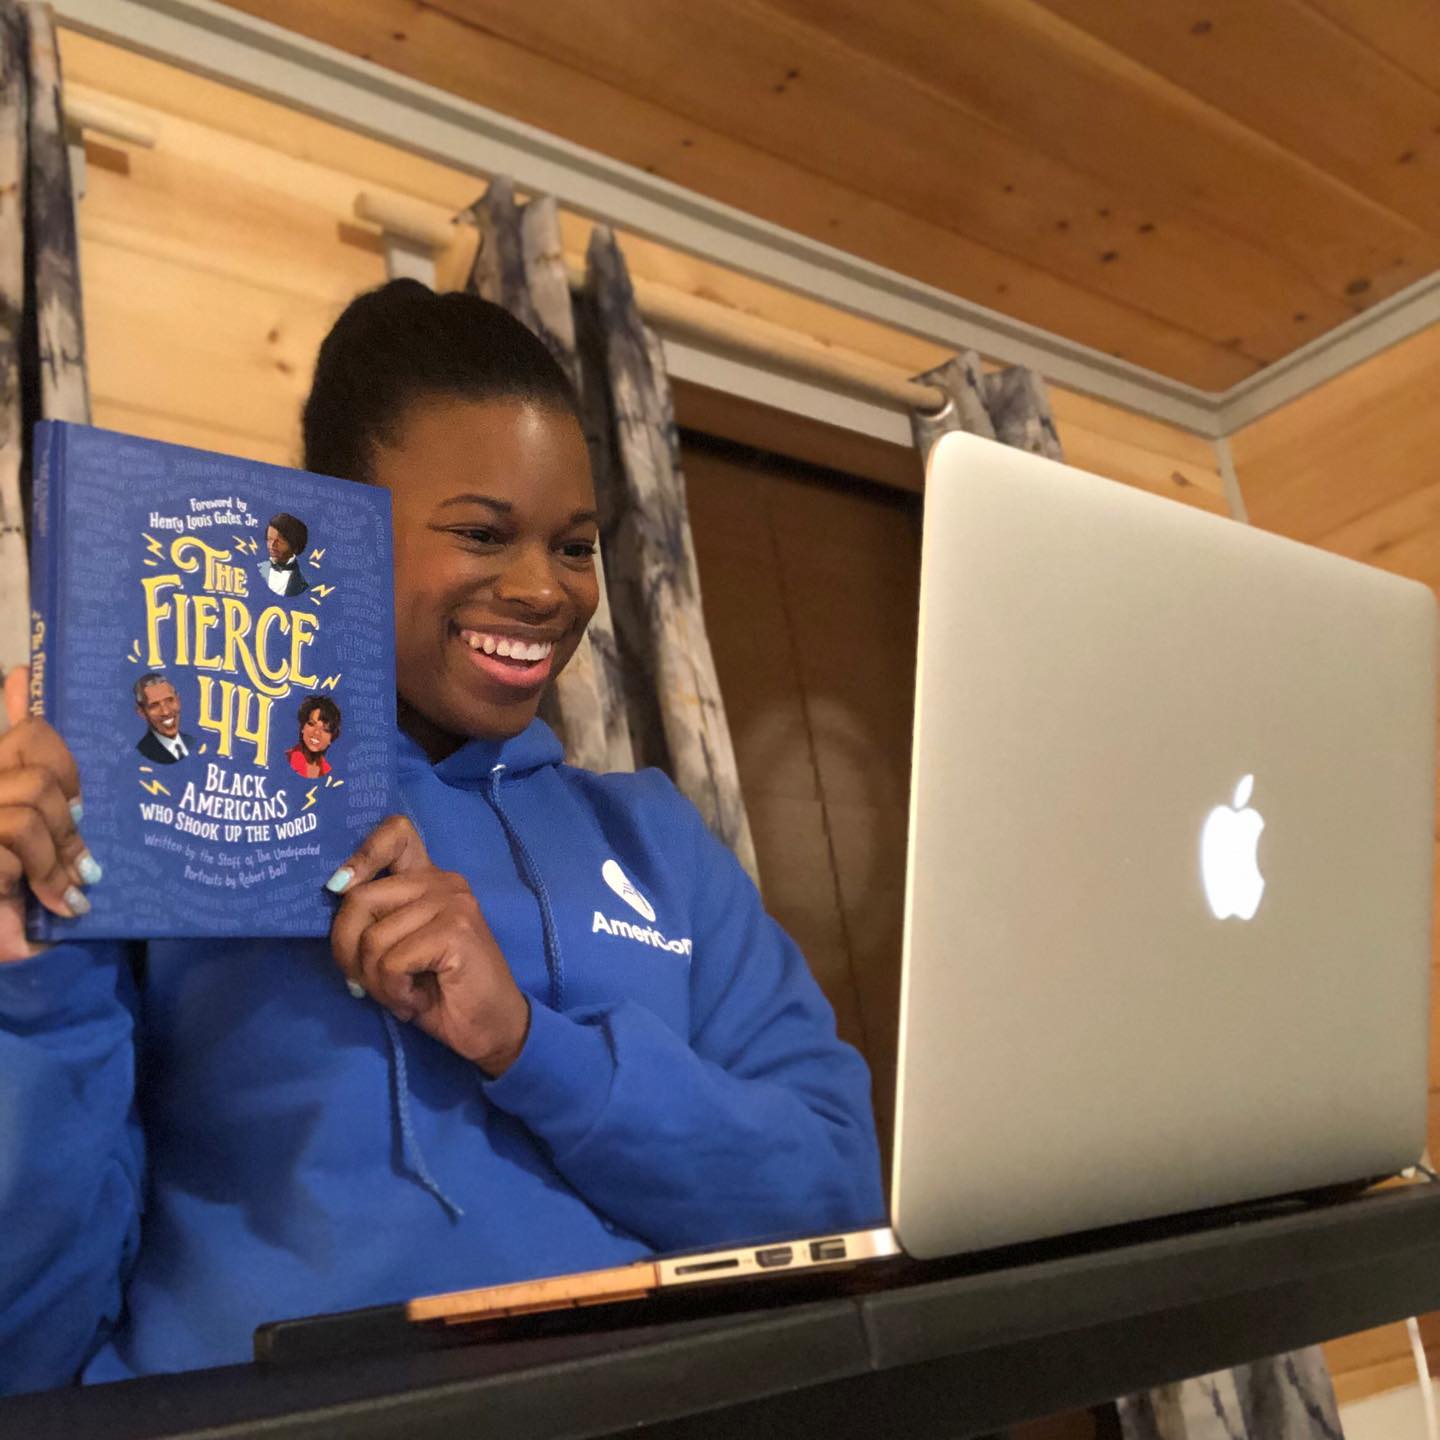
(71, 1158)
(759, 1125)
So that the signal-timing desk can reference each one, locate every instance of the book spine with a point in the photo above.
(45, 555)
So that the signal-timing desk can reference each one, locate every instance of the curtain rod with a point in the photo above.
(718, 326)
(675, 312)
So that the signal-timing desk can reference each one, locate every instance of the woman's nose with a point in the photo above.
(529, 579)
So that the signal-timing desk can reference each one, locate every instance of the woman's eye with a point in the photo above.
(580, 549)
(481, 536)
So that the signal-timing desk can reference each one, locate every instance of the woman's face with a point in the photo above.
(495, 535)
(315, 734)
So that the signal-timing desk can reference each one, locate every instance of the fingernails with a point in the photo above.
(89, 868)
(338, 882)
(75, 899)
(77, 811)
(356, 989)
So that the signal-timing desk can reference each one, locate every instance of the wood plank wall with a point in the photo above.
(212, 266)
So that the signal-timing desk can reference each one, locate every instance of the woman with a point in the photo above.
(574, 1088)
(319, 729)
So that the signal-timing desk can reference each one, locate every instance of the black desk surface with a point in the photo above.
(945, 1350)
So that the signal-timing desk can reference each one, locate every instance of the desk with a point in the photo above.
(952, 1350)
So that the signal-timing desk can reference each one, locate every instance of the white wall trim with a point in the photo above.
(210, 39)
(1231, 480)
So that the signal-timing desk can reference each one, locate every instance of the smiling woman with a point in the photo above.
(491, 1073)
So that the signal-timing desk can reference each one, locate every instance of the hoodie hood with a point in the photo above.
(471, 766)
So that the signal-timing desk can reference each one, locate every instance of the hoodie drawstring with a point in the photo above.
(410, 1151)
(411, 1156)
(554, 966)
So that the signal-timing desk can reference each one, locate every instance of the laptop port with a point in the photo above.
(827, 1249)
(704, 1267)
(774, 1257)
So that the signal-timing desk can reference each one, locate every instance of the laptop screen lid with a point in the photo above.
(1167, 919)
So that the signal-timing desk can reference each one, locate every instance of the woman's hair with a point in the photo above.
(327, 709)
(403, 343)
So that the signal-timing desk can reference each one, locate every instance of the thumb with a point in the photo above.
(394, 845)
(17, 694)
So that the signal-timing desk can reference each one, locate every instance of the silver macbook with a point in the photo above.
(1167, 938)
(1167, 918)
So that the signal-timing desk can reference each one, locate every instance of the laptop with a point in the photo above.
(1168, 902)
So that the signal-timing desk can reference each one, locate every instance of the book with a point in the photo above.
(214, 639)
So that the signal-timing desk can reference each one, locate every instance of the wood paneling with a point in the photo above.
(1103, 114)
(1405, 32)
(1286, 71)
(1365, 441)
(1155, 183)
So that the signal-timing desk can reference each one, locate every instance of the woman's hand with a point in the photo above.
(415, 940)
(39, 801)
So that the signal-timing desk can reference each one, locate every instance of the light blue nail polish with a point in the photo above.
(356, 989)
(89, 868)
(77, 902)
(77, 811)
(338, 882)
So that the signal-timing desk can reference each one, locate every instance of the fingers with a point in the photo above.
(17, 694)
(404, 977)
(372, 934)
(37, 833)
(368, 906)
(33, 742)
(394, 845)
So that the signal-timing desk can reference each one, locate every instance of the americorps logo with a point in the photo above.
(620, 883)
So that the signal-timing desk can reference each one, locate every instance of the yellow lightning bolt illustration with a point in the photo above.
(154, 787)
(319, 592)
(316, 556)
(309, 797)
(330, 682)
(153, 546)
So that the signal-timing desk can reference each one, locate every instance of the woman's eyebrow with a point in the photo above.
(504, 507)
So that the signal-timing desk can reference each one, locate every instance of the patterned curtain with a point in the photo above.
(644, 690)
(1007, 405)
(1287, 1397)
(42, 338)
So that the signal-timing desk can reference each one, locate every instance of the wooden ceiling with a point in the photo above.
(1199, 186)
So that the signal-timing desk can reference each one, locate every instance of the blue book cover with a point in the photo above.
(214, 640)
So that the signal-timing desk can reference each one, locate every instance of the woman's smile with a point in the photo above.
(510, 660)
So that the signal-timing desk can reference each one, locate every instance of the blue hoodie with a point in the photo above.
(234, 1139)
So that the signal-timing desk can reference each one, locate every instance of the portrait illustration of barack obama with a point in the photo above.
(158, 705)
(286, 537)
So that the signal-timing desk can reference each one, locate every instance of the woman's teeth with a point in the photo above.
(508, 649)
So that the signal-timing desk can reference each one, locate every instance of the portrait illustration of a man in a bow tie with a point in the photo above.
(285, 539)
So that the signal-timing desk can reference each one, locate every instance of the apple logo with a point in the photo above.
(1228, 846)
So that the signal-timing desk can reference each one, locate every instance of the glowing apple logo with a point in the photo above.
(1228, 847)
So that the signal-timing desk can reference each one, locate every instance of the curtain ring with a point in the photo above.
(944, 413)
